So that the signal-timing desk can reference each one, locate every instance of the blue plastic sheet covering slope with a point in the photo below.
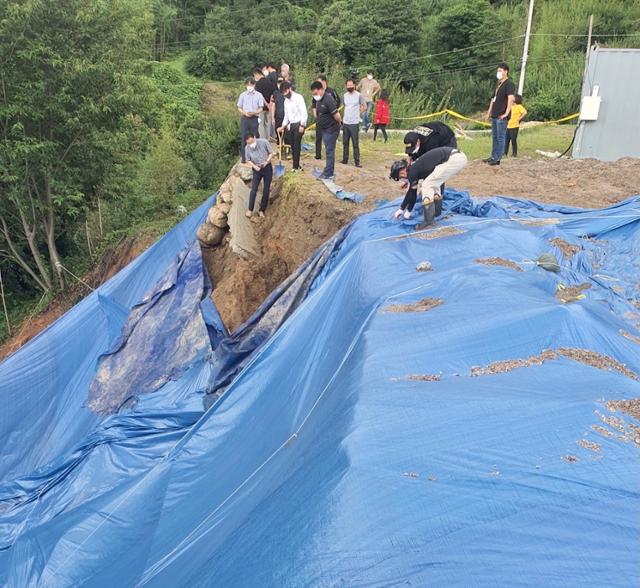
(365, 443)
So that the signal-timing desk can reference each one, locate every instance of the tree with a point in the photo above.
(68, 80)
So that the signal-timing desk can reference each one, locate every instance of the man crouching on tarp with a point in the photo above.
(434, 168)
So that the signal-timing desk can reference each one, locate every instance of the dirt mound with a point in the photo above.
(567, 249)
(421, 306)
(501, 367)
(630, 407)
(571, 293)
(112, 260)
(499, 261)
(301, 216)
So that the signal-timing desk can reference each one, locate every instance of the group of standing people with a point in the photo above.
(271, 111)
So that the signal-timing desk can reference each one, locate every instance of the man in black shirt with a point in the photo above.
(265, 87)
(428, 136)
(498, 111)
(328, 123)
(323, 80)
(433, 168)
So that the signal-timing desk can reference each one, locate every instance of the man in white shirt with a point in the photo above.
(294, 121)
(354, 106)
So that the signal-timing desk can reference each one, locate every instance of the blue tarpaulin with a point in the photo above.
(371, 425)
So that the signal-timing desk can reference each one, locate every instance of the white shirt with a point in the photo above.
(295, 110)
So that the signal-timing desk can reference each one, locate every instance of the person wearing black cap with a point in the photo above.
(434, 168)
(428, 136)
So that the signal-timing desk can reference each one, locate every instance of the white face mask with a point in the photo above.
(499, 75)
(316, 98)
(250, 88)
(252, 145)
(265, 72)
(369, 77)
(416, 149)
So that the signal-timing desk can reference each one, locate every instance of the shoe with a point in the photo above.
(296, 170)
(358, 165)
(398, 213)
(407, 215)
(261, 214)
(494, 162)
(324, 177)
(248, 214)
(318, 157)
(488, 159)
(344, 162)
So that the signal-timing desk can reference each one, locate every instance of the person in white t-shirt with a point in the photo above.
(354, 106)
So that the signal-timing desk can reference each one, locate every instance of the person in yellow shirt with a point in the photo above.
(518, 112)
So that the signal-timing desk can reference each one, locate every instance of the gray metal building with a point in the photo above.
(609, 126)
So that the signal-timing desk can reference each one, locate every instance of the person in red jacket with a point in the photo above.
(382, 116)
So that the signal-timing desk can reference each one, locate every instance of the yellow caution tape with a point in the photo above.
(455, 114)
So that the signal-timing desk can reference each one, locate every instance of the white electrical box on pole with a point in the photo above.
(525, 50)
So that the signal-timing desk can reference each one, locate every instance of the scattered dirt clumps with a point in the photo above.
(424, 377)
(438, 233)
(629, 336)
(501, 367)
(499, 261)
(569, 458)
(602, 430)
(596, 360)
(630, 407)
(568, 250)
(590, 445)
(571, 293)
(421, 306)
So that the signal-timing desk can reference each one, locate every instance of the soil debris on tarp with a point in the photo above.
(508, 365)
(423, 377)
(569, 458)
(630, 407)
(499, 261)
(568, 250)
(433, 234)
(420, 306)
(602, 430)
(571, 293)
(629, 336)
(539, 222)
(590, 445)
(596, 360)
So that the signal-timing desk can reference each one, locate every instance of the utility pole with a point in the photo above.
(525, 50)
(586, 61)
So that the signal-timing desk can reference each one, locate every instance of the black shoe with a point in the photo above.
(494, 162)
(318, 157)
(488, 159)
(343, 162)
(358, 164)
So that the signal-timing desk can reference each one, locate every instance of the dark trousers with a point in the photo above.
(511, 137)
(383, 130)
(247, 125)
(293, 138)
(318, 142)
(330, 138)
(265, 174)
(351, 133)
(498, 132)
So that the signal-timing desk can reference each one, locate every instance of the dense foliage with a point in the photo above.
(446, 50)
(95, 138)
